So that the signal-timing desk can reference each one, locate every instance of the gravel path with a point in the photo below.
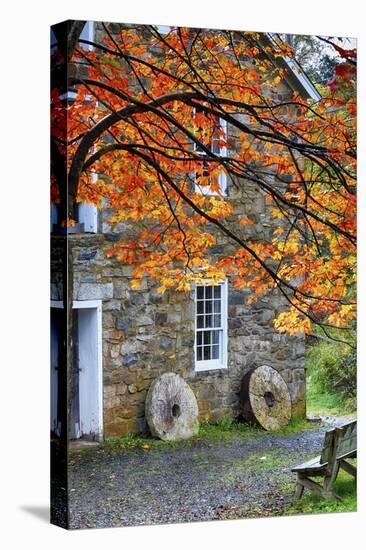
(247, 476)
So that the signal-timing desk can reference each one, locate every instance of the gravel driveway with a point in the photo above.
(197, 481)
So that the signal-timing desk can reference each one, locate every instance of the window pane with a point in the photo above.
(207, 337)
(217, 320)
(209, 330)
(208, 306)
(208, 321)
(208, 291)
(217, 306)
(215, 148)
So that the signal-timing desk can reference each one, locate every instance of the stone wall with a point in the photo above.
(146, 334)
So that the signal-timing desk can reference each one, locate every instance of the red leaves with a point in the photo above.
(343, 74)
(151, 158)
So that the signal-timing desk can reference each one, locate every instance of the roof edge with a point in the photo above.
(296, 72)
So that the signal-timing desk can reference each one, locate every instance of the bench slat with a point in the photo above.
(313, 463)
(338, 444)
(348, 440)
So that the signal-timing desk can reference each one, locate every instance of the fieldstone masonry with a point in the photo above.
(146, 334)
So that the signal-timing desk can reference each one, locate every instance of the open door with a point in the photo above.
(86, 377)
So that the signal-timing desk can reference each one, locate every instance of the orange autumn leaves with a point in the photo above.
(170, 91)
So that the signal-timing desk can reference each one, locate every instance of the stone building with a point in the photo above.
(125, 338)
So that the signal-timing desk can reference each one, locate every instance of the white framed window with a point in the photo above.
(87, 34)
(210, 345)
(218, 131)
(88, 215)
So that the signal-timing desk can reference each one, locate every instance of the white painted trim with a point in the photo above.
(88, 32)
(302, 78)
(70, 95)
(88, 214)
(82, 304)
(214, 364)
(297, 71)
(222, 176)
(79, 304)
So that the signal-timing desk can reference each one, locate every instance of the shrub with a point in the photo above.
(332, 368)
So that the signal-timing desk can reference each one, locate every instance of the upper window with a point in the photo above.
(213, 140)
(86, 218)
(211, 326)
(87, 34)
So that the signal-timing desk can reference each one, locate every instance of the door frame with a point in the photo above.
(95, 304)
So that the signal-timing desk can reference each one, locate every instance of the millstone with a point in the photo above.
(265, 399)
(171, 408)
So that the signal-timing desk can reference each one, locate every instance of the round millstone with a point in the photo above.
(265, 399)
(171, 408)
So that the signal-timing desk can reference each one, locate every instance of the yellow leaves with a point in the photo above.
(166, 283)
(136, 283)
(292, 322)
(184, 286)
(219, 208)
(343, 317)
(196, 261)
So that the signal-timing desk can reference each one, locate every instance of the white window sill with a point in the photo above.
(209, 365)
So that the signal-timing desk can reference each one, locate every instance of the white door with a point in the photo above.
(89, 371)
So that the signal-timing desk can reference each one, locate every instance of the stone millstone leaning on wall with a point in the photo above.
(265, 399)
(146, 334)
(171, 408)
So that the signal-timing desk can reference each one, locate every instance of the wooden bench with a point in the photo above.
(339, 444)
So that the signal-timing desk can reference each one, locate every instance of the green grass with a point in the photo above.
(310, 503)
(296, 425)
(223, 431)
(133, 441)
(320, 402)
